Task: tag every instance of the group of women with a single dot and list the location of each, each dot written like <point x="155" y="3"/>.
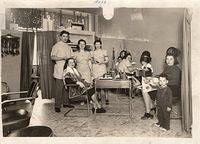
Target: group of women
<point x="83" y="68"/>
<point x="147" y="80"/>
<point x="91" y="65"/>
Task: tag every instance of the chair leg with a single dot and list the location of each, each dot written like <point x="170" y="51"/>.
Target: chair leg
<point x="66" y="114"/>
<point x="88" y="107"/>
<point x="178" y="117"/>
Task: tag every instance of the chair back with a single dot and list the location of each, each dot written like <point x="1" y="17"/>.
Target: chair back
<point x="29" y="95"/>
<point x="32" y="92"/>
<point x="16" y="113"/>
<point x="4" y="89"/>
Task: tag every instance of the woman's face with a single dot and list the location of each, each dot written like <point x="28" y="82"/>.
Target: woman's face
<point x="98" y="45"/>
<point x="71" y="63"/>
<point x="81" y="45"/>
<point x="144" y="63"/>
<point x="64" y="37"/>
<point x="129" y="58"/>
<point x="119" y="59"/>
<point x="170" y="60"/>
<point x="122" y="54"/>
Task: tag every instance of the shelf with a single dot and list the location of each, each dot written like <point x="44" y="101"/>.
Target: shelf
<point x="79" y="32"/>
<point x="75" y="44"/>
<point x="76" y="35"/>
<point x="76" y="23"/>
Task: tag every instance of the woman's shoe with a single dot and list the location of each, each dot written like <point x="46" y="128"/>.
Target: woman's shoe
<point x="107" y="102"/>
<point x="100" y="110"/>
<point x="57" y="110"/>
<point x="93" y="110"/>
<point x="157" y="124"/>
<point x="147" y="116"/>
<point x="153" y="110"/>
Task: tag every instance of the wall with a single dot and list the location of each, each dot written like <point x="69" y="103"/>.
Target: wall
<point x="159" y="29"/>
<point x="11" y="65"/>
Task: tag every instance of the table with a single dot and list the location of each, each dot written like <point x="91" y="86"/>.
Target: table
<point x="116" y="84"/>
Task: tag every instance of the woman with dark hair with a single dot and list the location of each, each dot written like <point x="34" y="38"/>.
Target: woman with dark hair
<point x="99" y="59"/>
<point x="126" y="65"/>
<point x="123" y="54"/>
<point x="72" y="76"/>
<point x="119" y="59"/>
<point x="99" y="62"/>
<point x="173" y="72"/>
<point x="83" y="59"/>
<point x="147" y="69"/>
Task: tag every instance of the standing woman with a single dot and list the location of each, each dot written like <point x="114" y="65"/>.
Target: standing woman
<point x="100" y="59"/>
<point x="83" y="60"/>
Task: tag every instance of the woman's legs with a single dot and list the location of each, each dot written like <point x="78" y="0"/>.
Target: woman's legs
<point x="106" y="96"/>
<point x="93" y="96"/>
<point x="95" y="101"/>
<point x="148" y="105"/>
<point x="147" y="101"/>
<point x="97" y="107"/>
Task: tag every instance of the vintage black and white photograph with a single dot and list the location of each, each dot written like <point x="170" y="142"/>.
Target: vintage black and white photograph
<point x="96" y="72"/>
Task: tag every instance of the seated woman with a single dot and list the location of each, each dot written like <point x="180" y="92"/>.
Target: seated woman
<point x="72" y="76"/>
<point x="119" y="59"/>
<point x="172" y="70"/>
<point x="126" y="66"/>
<point x="146" y="88"/>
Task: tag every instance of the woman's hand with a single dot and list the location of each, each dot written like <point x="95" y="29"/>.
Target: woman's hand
<point x="93" y="61"/>
<point x="80" y="84"/>
<point x="146" y="80"/>
<point x="101" y="62"/>
<point x="169" y="109"/>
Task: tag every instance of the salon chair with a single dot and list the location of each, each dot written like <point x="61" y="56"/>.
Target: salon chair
<point x="16" y="114"/>
<point x="4" y="89"/>
<point x="77" y="98"/>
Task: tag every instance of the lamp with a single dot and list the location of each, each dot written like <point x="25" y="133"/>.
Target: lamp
<point x="108" y="12"/>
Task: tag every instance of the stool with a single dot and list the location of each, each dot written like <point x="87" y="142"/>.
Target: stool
<point x="33" y="131"/>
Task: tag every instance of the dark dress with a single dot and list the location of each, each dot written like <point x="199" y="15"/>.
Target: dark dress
<point x="174" y="82"/>
<point x="174" y="78"/>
